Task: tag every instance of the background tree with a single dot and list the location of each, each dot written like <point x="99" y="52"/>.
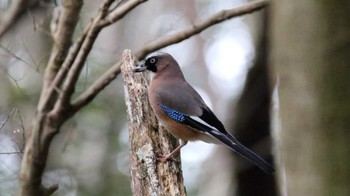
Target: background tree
<point x="310" y="62"/>
<point x="79" y="139"/>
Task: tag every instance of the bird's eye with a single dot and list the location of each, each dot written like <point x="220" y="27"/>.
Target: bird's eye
<point x="152" y="60"/>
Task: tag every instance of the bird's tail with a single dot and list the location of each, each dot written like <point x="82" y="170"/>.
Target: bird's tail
<point x="231" y="142"/>
<point x="248" y="154"/>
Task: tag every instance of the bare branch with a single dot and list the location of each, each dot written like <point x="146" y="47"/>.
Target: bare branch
<point x="11" y="153"/>
<point x="67" y="20"/>
<point x="88" y="95"/>
<point x="60" y="76"/>
<point x="19" y="7"/>
<point x="16" y="56"/>
<point x="116" y="5"/>
<point x="72" y="127"/>
<point x="201" y="26"/>
<point x="105" y="6"/>
<point x="78" y="64"/>
<point x="21" y="145"/>
<point x="97" y="24"/>
<point x="7" y="118"/>
<point x="47" y="122"/>
<point x="14" y="80"/>
<point x="52" y="112"/>
<point x="119" y="13"/>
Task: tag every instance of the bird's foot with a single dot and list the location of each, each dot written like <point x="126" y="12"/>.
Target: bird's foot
<point x="164" y="158"/>
<point x="168" y="157"/>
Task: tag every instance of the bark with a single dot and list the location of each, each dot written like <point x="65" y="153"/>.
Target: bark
<point x="56" y="104"/>
<point x="46" y="123"/>
<point x="35" y="156"/>
<point x="310" y="57"/>
<point x="147" y="140"/>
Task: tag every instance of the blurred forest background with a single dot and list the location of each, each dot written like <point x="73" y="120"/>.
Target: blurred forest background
<point x="228" y="63"/>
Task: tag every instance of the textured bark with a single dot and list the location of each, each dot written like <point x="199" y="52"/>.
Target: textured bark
<point x="147" y="140"/>
<point x="46" y="123"/>
<point x="35" y="156"/>
<point x="310" y="57"/>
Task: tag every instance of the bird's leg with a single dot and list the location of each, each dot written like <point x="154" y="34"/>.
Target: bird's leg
<point x="164" y="158"/>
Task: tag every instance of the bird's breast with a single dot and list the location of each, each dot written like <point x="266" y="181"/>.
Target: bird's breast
<point x="177" y="129"/>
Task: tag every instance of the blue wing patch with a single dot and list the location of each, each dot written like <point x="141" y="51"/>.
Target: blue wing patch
<point x="173" y="114"/>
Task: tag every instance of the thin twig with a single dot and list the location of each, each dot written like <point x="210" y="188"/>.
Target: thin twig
<point x="68" y="62"/>
<point x="60" y="76"/>
<point x="7" y="118"/>
<point x="14" y="79"/>
<point x="88" y="95"/>
<point x="199" y="27"/>
<point x="14" y="13"/>
<point x="98" y="23"/>
<point x="104" y="8"/>
<point x="72" y="127"/>
<point x="31" y="57"/>
<point x="67" y="19"/>
<point x="21" y="147"/>
<point x="119" y="13"/>
<point x="78" y="64"/>
<point x="16" y="57"/>
<point x="10" y="153"/>
<point x="117" y="4"/>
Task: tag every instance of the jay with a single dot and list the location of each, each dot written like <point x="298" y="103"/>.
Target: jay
<point x="182" y="111"/>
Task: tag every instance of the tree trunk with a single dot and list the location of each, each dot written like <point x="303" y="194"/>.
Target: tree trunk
<point x="35" y="156"/>
<point x="311" y="58"/>
<point x="147" y="140"/>
<point x="252" y="122"/>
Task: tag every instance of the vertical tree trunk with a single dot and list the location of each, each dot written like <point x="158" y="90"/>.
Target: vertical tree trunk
<point x="35" y="156"/>
<point x="147" y="140"/>
<point x="252" y="121"/>
<point x="311" y="58"/>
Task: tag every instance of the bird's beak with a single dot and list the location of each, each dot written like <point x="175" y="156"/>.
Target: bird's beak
<point x="140" y="68"/>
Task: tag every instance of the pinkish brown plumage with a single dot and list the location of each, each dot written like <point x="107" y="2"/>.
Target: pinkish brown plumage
<point x="182" y="111"/>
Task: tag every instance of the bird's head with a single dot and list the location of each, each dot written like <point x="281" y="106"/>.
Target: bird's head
<point x="155" y="62"/>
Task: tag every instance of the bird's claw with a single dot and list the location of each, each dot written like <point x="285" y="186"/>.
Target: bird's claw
<point x="164" y="158"/>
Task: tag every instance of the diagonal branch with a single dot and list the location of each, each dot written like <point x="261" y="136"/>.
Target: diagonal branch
<point x="88" y="95"/>
<point x="67" y="19"/>
<point x="14" y="13"/>
<point x="117" y="14"/>
<point x="61" y="74"/>
<point x="72" y="71"/>
<point x="47" y="120"/>
<point x="46" y="124"/>
<point x="201" y="26"/>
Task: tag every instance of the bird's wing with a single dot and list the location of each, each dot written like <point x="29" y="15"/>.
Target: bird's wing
<point x="179" y="100"/>
<point x="209" y="124"/>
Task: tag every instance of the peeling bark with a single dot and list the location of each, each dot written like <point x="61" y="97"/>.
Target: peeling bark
<point x="147" y="140"/>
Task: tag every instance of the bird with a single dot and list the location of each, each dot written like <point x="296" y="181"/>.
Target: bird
<point x="182" y="111"/>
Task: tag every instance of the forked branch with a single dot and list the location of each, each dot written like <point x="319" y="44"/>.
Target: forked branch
<point x="88" y="95"/>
